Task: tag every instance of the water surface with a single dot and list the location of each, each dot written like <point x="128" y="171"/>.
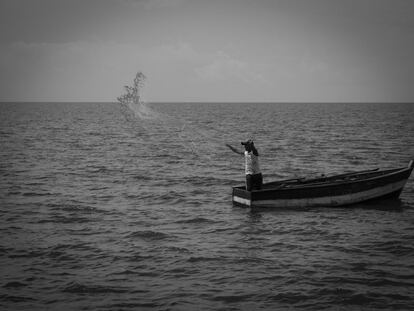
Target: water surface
<point x="103" y="212"/>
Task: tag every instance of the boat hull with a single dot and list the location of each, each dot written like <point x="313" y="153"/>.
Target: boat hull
<point x="388" y="184"/>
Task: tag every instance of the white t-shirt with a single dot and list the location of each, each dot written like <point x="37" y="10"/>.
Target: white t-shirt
<point x="252" y="163"/>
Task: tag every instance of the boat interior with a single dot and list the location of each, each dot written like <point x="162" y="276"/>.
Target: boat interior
<point x="346" y="177"/>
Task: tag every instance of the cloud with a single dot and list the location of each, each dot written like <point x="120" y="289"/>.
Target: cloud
<point x="96" y="71"/>
<point x="182" y="51"/>
<point x="84" y="70"/>
<point x="223" y="67"/>
<point x="155" y="4"/>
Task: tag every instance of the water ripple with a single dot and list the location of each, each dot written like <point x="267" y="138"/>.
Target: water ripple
<point x="103" y="213"/>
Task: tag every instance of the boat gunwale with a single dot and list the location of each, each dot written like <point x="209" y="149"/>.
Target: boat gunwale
<point x="343" y="182"/>
<point x="381" y="174"/>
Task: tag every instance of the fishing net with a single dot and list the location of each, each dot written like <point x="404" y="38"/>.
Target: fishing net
<point x="194" y="138"/>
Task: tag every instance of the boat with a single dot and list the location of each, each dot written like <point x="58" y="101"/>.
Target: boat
<point x="339" y="190"/>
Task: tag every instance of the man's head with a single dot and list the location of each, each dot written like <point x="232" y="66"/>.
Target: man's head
<point x="248" y="145"/>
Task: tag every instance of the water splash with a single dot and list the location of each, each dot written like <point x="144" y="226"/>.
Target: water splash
<point x="136" y="110"/>
<point x="131" y="103"/>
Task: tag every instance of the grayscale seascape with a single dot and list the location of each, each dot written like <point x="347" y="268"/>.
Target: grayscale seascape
<point x="103" y="211"/>
<point x="189" y="155"/>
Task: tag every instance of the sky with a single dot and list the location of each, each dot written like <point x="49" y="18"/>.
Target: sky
<point x="208" y="50"/>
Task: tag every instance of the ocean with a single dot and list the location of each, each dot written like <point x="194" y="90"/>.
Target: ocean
<point x="104" y="209"/>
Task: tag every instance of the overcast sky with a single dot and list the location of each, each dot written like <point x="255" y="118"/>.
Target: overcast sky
<point x="211" y="50"/>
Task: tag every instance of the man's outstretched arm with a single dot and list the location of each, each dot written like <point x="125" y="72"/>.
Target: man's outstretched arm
<point x="234" y="149"/>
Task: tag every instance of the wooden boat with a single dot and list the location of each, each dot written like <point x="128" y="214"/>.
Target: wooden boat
<point x="338" y="190"/>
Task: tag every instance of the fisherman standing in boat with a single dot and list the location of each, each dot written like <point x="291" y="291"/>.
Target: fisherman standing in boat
<point x="254" y="178"/>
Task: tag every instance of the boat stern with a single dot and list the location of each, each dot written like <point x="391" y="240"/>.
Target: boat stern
<point x="241" y="197"/>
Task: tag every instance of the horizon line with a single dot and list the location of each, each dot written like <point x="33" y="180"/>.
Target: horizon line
<point x="205" y="102"/>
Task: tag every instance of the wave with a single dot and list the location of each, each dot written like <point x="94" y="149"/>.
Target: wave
<point x="85" y="246"/>
<point x="204" y="259"/>
<point x="132" y="305"/>
<point x="26" y="254"/>
<point x="12" y="298"/>
<point x="233" y="298"/>
<point x="196" y="220"/>
<point x="148" y="234"/>
<point x="76" y="207"/>
<point x="14" y="284"/>
<point x="62" y="256"/>
<point x="77" y="288"/>
<point x="65" y="219"/>
<point x="396" y="247"/>
<point x="39" y="194"/>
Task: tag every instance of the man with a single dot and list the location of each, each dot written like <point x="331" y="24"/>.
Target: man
<point x="254" y="178"/>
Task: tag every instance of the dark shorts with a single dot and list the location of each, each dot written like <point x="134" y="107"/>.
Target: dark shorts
<point x="254" y="182"/>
